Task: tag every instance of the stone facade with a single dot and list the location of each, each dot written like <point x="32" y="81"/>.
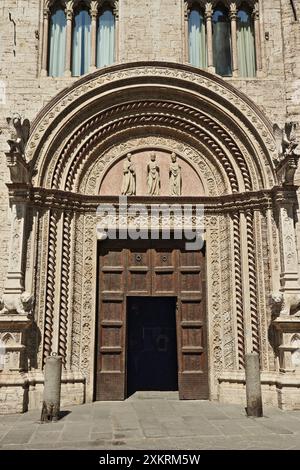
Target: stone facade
<point x="239" y="135"/>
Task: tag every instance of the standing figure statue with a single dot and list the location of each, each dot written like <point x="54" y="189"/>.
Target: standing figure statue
<point x="129" y="177"/>
<point x="153" y="176"/>
<point x="175" y="176"/>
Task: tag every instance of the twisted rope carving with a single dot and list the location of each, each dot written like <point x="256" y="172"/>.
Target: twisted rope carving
<point x="77" y="291"/>
<point x="145" y="119"/>
<point x="252" y="280"/>
<point x="181" y="110"/>
<point x="238" y="291"/>
<point x="50" y="285"/>
<point x="64" y="293"/>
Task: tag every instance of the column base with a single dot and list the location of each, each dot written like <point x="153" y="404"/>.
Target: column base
<point x="280" y="390"/>
<point x="13" y="392"/>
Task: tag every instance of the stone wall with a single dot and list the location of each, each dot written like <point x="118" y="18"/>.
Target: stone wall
<point x="151" y="30"/>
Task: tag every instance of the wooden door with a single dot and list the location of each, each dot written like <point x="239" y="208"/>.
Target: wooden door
<point x="193" y="363"/>
<point x="145" y="268"/>
<point x="111" y="327"/>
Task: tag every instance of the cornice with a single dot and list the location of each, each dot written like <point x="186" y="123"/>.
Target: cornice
<point x="68" y="201"/>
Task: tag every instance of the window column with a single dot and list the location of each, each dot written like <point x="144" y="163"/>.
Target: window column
<point x="46" y="13"/>
<point x="208" y="18"/>
<point x="257" y="36"/>
<point x="69" y="15"/>
<point x="186" y="32"/>
<point x="94" y="15"/>
<point x="116" y="42"/>
<point x="233" y="16"/>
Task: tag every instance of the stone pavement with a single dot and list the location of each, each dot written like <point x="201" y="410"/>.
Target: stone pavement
<point x="152" y="420"/>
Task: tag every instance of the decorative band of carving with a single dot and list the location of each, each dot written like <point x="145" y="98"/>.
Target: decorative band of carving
<point x="252" y="280"/>
<point x="238" y="290"/>
<point x="50" y="285"/>
<point x="177" y="75"/>
<point x="64" y="293"/>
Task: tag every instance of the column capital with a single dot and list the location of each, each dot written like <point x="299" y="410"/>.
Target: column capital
<point x="94" y="9"/>
<point x="186" y="9"/>
<point x="255" y="12"/>
<point x="208" y="10"/>
<point x="46" y="12"/>
<point x="233" y="11"/>
<point x="69" y="9"/>
<point x="115" y="7"/>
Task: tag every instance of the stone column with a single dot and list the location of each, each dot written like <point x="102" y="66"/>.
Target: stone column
<point x="257" y="36"/>
<point x="116" y="15"/>
<point x="248" y="340"/>
<point x="94" y="15"/>
<point x="186" y="32"/>
<point x="253" y="386"/>
<point x="44" y="70"/>
<point x="52" y="387"/>
<point x="233" y="17"/>
<point x="69" y="15"/>
<point x="209" y="34"/>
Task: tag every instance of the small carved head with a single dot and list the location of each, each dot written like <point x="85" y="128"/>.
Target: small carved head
<point x="153" y="156"/>
<point x="277" y="298"/>
<point x="27" y="301"/>
<point x="173" y="157"/>
<point x="129" y="155"/>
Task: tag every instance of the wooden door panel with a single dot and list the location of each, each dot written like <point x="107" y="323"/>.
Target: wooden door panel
<point x="138" y="268"/>
<point x="111" y="331"/>
<point x="163" y="263"/>
<point x="193" y="372"/>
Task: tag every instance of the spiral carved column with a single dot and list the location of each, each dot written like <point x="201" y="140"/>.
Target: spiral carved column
<point x="64" y="293"/>
<point x="252" y="281"/>
<point x="238" y="291"/>
<point x="50" y="285"/>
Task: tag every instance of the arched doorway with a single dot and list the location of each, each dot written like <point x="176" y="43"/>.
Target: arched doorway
<point x="228" y="147"/>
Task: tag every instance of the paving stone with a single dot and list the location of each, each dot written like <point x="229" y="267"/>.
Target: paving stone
<point x="17" y="436"/>
<point x="78" y="432"/>
<point x="274" y="426"/>
<point x="45" y="437"/>
<point x="228" y="427"/>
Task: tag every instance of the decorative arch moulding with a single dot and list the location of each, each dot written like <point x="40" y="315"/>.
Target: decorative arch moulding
<point x="96" y="97"/>
<point x="209" y="84"/>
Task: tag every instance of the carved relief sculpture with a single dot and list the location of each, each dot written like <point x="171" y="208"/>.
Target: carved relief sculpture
<point x="129" y="177"/>
<point x="153" y="176"/>
<point x="19" y="134"/>
<point x="175" y="176"/>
